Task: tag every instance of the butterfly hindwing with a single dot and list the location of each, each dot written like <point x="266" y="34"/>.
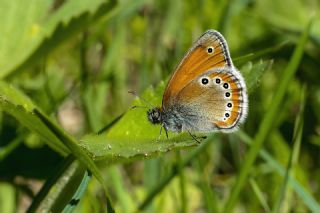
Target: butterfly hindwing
<point x="213" y="101"/>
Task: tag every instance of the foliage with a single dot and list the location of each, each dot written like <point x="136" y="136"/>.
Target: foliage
<point x="66" y="68"/>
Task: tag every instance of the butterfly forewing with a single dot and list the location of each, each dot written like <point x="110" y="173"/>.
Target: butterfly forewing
<point x="209" y="51"/>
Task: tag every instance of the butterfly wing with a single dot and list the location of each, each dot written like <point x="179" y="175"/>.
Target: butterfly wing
<point x="216" y="100"/>
<point x="209" y="51"/>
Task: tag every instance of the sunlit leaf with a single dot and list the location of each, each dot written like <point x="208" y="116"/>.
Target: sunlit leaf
<point x="25" y="25"/>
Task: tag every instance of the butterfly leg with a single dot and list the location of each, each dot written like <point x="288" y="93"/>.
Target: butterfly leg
<point x="197" y="138"/>
<point x="165" y="129"/>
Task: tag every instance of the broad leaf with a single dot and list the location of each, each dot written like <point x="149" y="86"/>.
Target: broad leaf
<point x="26" y="27"/>
<point x="19" y="106"/>
<point x="134" y="137"/>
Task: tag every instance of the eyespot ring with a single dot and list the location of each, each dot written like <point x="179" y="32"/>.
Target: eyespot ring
<point x="210" y="50"/>
<point x="204" y="81"/>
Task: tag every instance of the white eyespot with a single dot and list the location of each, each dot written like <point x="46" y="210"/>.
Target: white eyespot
<point x="210" y="50"/>
<point x="204" y="81"/>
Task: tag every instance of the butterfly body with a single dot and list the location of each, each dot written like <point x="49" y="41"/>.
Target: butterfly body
<point x="206" y="93"/>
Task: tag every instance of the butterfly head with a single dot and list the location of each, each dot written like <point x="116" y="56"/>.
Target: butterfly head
<point x="155" y="115"/>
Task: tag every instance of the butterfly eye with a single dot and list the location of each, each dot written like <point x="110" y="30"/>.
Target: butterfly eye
<point x="218" y="80"/>
<point x="204" y="81"/>
<point x="227" y="115"/>
<point x="210" y="49"/>
<point x="229" y="105"/>
<point x="226" y="85"/>
<point x="227" y="94"/>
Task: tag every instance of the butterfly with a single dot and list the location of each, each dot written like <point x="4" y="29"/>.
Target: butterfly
<point x="206" y="93"/>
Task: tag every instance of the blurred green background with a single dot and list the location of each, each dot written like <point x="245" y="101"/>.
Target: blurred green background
<point x="76" y="60"/>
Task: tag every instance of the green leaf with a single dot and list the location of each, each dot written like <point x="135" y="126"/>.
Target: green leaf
<point x="253" y="72"/>
<point x="133" y="136"/>
<point x="21" y="107"/>
<point x="31" y="29"/>
<point x="277" y="13"/>
<point x="15" y="103"/>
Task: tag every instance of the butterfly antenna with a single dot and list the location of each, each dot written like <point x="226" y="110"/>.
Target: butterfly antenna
<point x="142" y="99"/>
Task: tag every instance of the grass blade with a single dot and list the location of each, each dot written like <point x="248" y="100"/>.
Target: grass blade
<point x="304" y="195"/>
<point x="268" y="120"/>
<point x="166" y="180"/>
<point x="182" y="182"/>
<point x="259" y="195"/>
<point x="77" y="151"/>
<point x="120" y="191"/>
<point x="45" y="199"/>
<point x="297" y="135"/>
<point x="79" y="193"/>
<point x="209" y="194"/>
<point x="5" y="151"/>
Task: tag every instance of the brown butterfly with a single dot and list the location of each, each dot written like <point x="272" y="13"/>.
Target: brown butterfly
<point x="206" y="93"/>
